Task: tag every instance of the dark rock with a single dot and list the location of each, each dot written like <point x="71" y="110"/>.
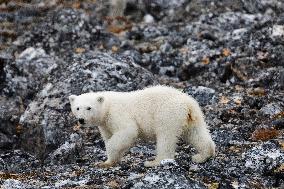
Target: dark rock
<point x="137" y="58"/>
<point x="208" y="35"/>
<point x="10" y="112"/>
<point x="69" y="151"/>
<point x="64" y="31"/>
<point x="202" y="94"/>
<point x="25" y="76"/>
<point x="153" y="32"/>
<point x="163" y="64"/>
<point x="5" y="141"/>
<point x="279" y="123"/>
<point x="16" y="160"/>
<point x="2" y="164"/>
<point x="5" y="58"/>
<point x="2" y="73"/>
<point x="282" y="79"/>
<point x="271" y="109"/>
<point x="166" y="48"/>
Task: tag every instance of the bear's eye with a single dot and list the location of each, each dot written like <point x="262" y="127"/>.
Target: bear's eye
<point x="89" y="108"/>
<point x="77" y="108"/>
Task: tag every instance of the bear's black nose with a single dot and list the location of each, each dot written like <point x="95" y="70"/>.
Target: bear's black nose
<point x="81" y="121"/>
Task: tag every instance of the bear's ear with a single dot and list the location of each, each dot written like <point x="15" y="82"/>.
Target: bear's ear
<point x="100" y="99"/>
<point x="72" y="98"/>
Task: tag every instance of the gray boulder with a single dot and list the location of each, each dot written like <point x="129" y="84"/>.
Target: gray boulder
<point x="10" y="111"/>
<point x="203" y="95"/>
<point x="68" y="151"/>
<point x="25" y="75"/>
<point x="47" y="121"/>
<point x="271" y="109"/>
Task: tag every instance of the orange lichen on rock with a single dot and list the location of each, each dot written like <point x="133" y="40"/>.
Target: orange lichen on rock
<point x="279" y="115"/>
<point x="226" y="52"/>
<point x="113" y="184"/>
<point x="19" y="129"/>
<point x="205" y="60"/>
<point x="114" y="49"/>
<point x="114" y="27"/>
<point x="264" y="134"/>
<point x="76" y="127"/>
<point x="224" y="100"/>
<point x="6" y="176"/>
<point x="80" y="50"/>
<point x="257" y="91"/>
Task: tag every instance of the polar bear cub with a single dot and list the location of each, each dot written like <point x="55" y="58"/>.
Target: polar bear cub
<point x="160" y="112"/>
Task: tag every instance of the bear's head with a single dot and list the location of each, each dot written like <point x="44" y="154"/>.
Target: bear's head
<point x="87" y="108"/>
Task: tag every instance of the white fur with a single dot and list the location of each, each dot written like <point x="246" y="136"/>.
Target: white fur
<point x="160" y="112"/>
<point x="117" y="7"/>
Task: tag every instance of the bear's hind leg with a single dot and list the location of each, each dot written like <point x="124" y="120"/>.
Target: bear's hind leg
<point x="199" y="137"/>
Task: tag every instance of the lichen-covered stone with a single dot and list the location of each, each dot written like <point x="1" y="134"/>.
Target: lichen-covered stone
<point x="203" y="95"/>
<point x="10" y="111"/>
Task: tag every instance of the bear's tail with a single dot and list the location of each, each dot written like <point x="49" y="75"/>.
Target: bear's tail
<point x="197" y="134"/>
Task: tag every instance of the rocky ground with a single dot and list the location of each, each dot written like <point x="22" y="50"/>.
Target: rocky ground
<point x="229" y="55"/>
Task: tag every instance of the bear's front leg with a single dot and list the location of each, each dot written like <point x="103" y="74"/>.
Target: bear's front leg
<point x="105" y="133"/>
<point x="166" y="146"/>
<point x="120" y="142"/>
